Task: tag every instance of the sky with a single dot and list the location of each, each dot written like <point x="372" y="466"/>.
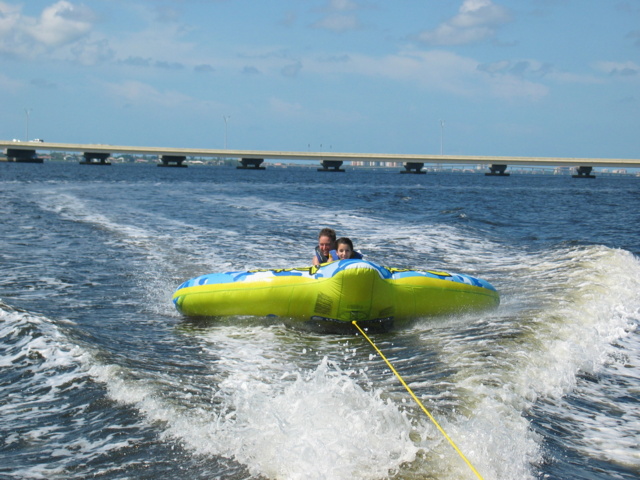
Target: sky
<point x="550" y="78"/>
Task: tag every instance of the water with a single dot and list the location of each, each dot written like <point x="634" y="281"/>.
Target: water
<point x="101" y="378"/>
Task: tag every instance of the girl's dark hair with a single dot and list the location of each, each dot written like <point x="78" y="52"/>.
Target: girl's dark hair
<point x="345" y="240"/>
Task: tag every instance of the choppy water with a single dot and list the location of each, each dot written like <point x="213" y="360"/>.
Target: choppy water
<point x="101" y="378"/>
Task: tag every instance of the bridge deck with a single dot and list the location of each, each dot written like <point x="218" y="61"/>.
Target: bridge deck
<point x="319" y="156"/>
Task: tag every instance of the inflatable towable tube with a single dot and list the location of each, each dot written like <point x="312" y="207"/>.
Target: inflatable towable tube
<point x="341" y="291"/>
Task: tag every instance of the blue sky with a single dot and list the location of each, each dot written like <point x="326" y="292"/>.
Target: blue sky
<point x="468" y="77"/>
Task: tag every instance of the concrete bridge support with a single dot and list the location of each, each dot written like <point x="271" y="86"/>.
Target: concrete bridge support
<point x="583" y="172"/>
<point x="413" y="167"/>
<point x="331" y="166"/>
<point x="22" y="156"/>
<point x="172" y="161"/>
<point x="95" y="158"/>
<point x="497" y="171"/>
<point x="251" y="164"/>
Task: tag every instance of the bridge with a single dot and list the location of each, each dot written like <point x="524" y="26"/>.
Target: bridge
<point x="97" y="154"/>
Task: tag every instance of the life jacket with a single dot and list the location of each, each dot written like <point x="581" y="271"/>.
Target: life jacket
<point x="333" y="256"/>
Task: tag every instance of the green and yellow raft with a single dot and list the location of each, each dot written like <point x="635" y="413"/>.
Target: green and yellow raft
<point x="339" y="292"/>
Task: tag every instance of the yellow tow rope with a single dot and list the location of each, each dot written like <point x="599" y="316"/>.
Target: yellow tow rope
<point x="417" y="400"/>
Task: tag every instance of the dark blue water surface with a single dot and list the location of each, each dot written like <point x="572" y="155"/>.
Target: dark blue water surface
<point x="102" y="378"/>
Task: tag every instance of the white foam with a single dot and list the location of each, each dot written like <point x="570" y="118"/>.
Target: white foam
<point x="277" y="419"/>
<point x="322" y="425"/>
<point x="511" y="362"/>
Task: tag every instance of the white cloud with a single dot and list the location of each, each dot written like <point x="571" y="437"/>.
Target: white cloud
<point x="438" y="70"/>
<point x="622" y="69"/>
<point x="479" y="12"/>
<point x="60" y="24"/>
<point x="476" y="20"/>
<point x="92" y="52"/>
<point x="343" y="5"/>
<point x="336" y="19"/>
<point x="9" y="18"/>
<point x="12" y="39"/>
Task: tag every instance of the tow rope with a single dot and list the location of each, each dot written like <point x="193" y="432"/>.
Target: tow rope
<point x="417" y="400"/>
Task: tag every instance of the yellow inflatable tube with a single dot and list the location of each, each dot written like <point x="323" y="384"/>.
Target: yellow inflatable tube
<point x="341" y="292"/>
